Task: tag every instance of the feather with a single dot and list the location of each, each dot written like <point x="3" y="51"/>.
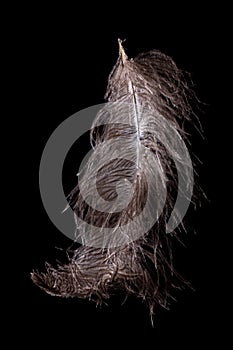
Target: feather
<point x="128" y="189"/>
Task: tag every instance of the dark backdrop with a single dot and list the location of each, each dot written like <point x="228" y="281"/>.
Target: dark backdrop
<point x="63" y="60"/>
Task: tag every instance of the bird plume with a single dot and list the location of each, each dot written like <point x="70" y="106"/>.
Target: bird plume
<point x="127" y="191"/>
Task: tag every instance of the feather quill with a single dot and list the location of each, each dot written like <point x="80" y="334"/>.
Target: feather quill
<point x="143" y="266"/>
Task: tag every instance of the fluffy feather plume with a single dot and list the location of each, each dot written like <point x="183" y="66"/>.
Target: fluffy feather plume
<point x="146" y="94"/>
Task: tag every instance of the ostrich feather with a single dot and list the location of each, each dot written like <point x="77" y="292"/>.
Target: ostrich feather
<point x="145" y="95"/>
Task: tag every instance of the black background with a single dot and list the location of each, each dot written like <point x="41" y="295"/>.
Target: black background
<point x="64" y="57"/>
